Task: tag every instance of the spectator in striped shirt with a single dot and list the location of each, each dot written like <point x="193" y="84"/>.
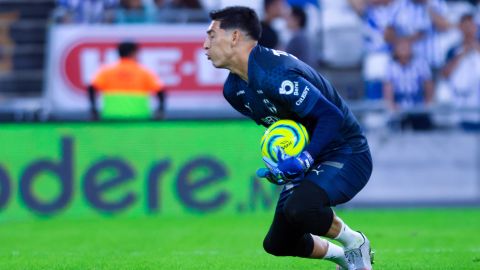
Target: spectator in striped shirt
<point x="422" y="22"/>
<point x="476" y="13"/>
<point x="133" y="11"/>
<point x="273" y="9"/>
<point x="462" y="72"/>
<point x="299" y="45"/>
<point x="85" y="11"/>
<point x="408" y="86"/>
<point x="376" y="16"/>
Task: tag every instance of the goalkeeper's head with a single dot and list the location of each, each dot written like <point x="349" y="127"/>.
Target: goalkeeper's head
<point x="233" y="31"/>
<point x="238" y="17"/>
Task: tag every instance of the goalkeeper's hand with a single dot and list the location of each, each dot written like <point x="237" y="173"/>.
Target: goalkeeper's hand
<point x="288" y="168"/>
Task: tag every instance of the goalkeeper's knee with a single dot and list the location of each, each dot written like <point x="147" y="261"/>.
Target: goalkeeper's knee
<point x="301" y="247"/>
<point x="308" y="209"/>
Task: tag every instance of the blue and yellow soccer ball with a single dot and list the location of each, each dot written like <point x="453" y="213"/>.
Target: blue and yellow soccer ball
<point x="291" y="136"/>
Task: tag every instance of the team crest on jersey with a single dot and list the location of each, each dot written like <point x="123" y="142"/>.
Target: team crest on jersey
<point x="288" y="87"/>
<point x="270" y="105"/>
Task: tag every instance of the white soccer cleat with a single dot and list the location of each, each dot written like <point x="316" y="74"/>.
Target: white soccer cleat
<point x="362" y="257"/>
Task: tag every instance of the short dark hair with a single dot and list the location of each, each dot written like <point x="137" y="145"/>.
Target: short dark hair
<point x="300" y="15"/>
<point x="267" y="3"/>
<point x="127" y="48"/>
<point x="243" y="18"/>
<point x="467" y="17"/>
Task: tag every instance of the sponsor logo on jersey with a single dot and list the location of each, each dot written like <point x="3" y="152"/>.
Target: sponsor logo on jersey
<point x="288" y="87"/>
<point x="270" y="120"/>
<point x="270" y="105"/>
<point x="259" y="91"/>
<point x="303" y="96"/>
<point x="241" y="92"/>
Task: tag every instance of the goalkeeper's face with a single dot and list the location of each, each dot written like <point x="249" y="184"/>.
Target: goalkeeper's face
<point x="219" y="45"/>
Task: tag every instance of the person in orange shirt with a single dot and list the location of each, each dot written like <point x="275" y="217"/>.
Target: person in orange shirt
<point x="127" y="78"/>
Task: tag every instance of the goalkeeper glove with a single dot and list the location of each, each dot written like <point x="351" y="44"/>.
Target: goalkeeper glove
<point x="288" y="168"/>
<point x="267" y="174"/>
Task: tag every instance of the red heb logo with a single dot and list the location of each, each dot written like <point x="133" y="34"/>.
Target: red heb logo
<point x="182" y="65"/>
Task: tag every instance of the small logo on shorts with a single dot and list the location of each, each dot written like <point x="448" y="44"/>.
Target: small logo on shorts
<point x="318" y="171"/>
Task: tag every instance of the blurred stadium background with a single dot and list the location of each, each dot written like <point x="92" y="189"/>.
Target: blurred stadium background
<point x="127" y="194"/>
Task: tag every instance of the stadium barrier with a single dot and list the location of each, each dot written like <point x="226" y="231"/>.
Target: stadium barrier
<point x="173" y="52"/>
<point x="131" y="169"/>
<point x="182" y="167"/>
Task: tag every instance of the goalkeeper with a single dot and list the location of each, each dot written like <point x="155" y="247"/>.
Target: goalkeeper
<point x="267" y="85"/>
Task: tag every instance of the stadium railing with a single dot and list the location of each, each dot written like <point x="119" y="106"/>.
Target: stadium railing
<point x="23" y="26"/>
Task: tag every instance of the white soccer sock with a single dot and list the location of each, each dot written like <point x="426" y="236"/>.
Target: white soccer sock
<point x="336" y="254"/>
<point x="348" y="237"/>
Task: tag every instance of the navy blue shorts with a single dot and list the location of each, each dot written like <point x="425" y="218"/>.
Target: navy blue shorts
<point x="342" y="176"/>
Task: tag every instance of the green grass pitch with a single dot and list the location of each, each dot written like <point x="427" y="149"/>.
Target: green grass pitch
<point x="403" y="239"/>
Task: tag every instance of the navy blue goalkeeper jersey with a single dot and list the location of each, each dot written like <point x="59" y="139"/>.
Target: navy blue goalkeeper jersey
<point x="282" y="87"/>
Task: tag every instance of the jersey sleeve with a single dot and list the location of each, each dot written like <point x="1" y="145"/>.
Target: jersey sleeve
<point x="308" y="102"/>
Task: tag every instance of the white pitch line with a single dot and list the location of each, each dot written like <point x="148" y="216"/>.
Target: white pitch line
<point x="427" y="250"/>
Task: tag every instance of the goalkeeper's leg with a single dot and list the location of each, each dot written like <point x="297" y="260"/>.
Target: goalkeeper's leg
<point x="308" y="209"/>
<point x="337" y="180"/>
<point x="356" y="244"/>
<point x="284" y="239"/>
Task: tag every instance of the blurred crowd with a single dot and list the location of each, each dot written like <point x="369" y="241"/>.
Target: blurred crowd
<point x="130" y="11"/>
<point x="413" y="54"/>
<point x="416" y="55"/>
